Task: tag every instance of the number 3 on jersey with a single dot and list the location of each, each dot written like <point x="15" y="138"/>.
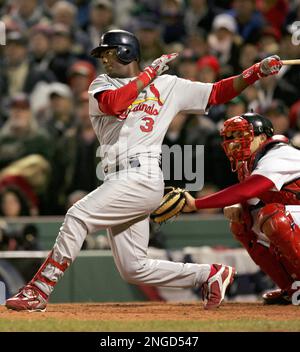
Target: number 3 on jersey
<point x="148" y="125"/>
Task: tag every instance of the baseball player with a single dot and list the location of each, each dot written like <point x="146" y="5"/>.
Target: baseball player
<point x="130" y="111"/>
<point x="264" y="208"/>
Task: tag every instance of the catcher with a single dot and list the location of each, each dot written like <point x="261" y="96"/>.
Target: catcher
<point x="264" y="208"/>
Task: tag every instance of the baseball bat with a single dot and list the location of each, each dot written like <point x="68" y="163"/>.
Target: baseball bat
<point x="291" y="62"/>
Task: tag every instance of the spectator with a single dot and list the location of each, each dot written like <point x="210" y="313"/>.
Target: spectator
<point x="288" y="49"/>
<point x="47" y="6"/>
<point x="294" y="116"/>
<point x="271" y="88"/>
<point x="61" y="123"/>
<point x="277" y="113"/>
<point x="274" y="12"/>
<point x="268" y="43"/>
<point x="21" y="136"/>
<point x="148" y="32"/>
<point x="82" y="18"/>
<point x="18" y="74"/>
<point x="65" y="13"/>
<point x="208" y="69"/>
<point x="199" y="14"/>
<point x="101" y="19"/>
<point x="13" y="203"/>
<point x="124" y="12"/>
<point x="83" y="146"/>
<point x="293" y="13"/>
<point x="60" y="116"/>
<point x="224" y="43"/>
<point x="234" y="107"/>
<point x="25" y="14"/>
<point x="30" y="175"/>
<point x="248" y="55"/>
<point x="249" y="20"/>
<point x="40" y="47"/>
<point x="291" y="73"/>
<point x="186" y="66"/>
<point x="171" y="15"/>
<point x="63" y="55"/>
<point x="237" y="106"/>
<point x="197" y="43"/>
<point x="81" y="74"/>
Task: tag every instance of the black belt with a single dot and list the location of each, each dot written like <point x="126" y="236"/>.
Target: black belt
<point x="120" y="167"/>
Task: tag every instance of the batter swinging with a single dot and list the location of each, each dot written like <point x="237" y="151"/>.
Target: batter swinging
<point x="130" y="111"/>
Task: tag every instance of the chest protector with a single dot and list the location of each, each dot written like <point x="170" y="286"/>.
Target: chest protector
<point x="290" y="192"/>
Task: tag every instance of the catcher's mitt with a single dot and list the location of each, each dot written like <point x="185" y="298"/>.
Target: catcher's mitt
<point x="171" y="205"/>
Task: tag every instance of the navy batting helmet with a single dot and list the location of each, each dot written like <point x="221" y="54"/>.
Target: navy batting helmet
<point x="260" y="124"/>
<point x="127" y="45"/>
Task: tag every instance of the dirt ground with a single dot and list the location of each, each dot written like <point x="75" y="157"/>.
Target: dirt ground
<point x="158" y="311"/>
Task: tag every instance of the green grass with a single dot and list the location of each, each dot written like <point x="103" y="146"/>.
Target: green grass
<point x="151" y="325"/>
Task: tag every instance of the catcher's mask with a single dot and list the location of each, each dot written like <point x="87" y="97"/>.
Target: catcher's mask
<point x="238" y="134"/>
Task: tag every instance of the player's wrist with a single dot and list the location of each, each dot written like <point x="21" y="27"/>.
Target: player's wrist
<point x="252" y="74"/>
<point x="147" y="75"/>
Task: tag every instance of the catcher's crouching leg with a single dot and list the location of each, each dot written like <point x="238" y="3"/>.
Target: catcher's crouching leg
<point x="261" y="255"/>
<point x="278" y="225"/>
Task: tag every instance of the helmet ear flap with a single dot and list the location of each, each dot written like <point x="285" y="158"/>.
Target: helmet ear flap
<point x="124" y="54"/>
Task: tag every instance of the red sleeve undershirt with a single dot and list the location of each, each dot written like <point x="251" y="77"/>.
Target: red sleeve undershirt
<point x="252" y="187"/>
<point x="222" y="92"/>
<point x="114" y="102"/>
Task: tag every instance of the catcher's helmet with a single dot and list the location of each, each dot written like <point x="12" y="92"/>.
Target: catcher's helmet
<point x="260" y="124"/>
<point x="127" y="45"/>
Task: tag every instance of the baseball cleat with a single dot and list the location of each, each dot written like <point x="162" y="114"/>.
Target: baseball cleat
<point x="279" y="297"/>
<point x="214" y="289"/>
<point x="29" y="298"/>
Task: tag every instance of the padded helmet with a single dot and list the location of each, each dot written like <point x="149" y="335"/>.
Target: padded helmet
<point x="260" y="124"/>
<point x="127" y="45"/>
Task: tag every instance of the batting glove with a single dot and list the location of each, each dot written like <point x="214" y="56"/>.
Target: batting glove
<point x="269" y="66"/>
<point x="160" y="64"/>
<point x="157" y="67"/>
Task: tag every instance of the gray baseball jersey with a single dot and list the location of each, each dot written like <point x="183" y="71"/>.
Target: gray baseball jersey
<point x="142" y="127"/>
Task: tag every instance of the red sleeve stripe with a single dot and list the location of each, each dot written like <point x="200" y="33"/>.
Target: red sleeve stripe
<point x="222" y="92"/>
<point x="114" y="102"/>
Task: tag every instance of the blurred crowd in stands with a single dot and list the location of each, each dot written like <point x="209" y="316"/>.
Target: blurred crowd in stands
<point x="47" y="144"/>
